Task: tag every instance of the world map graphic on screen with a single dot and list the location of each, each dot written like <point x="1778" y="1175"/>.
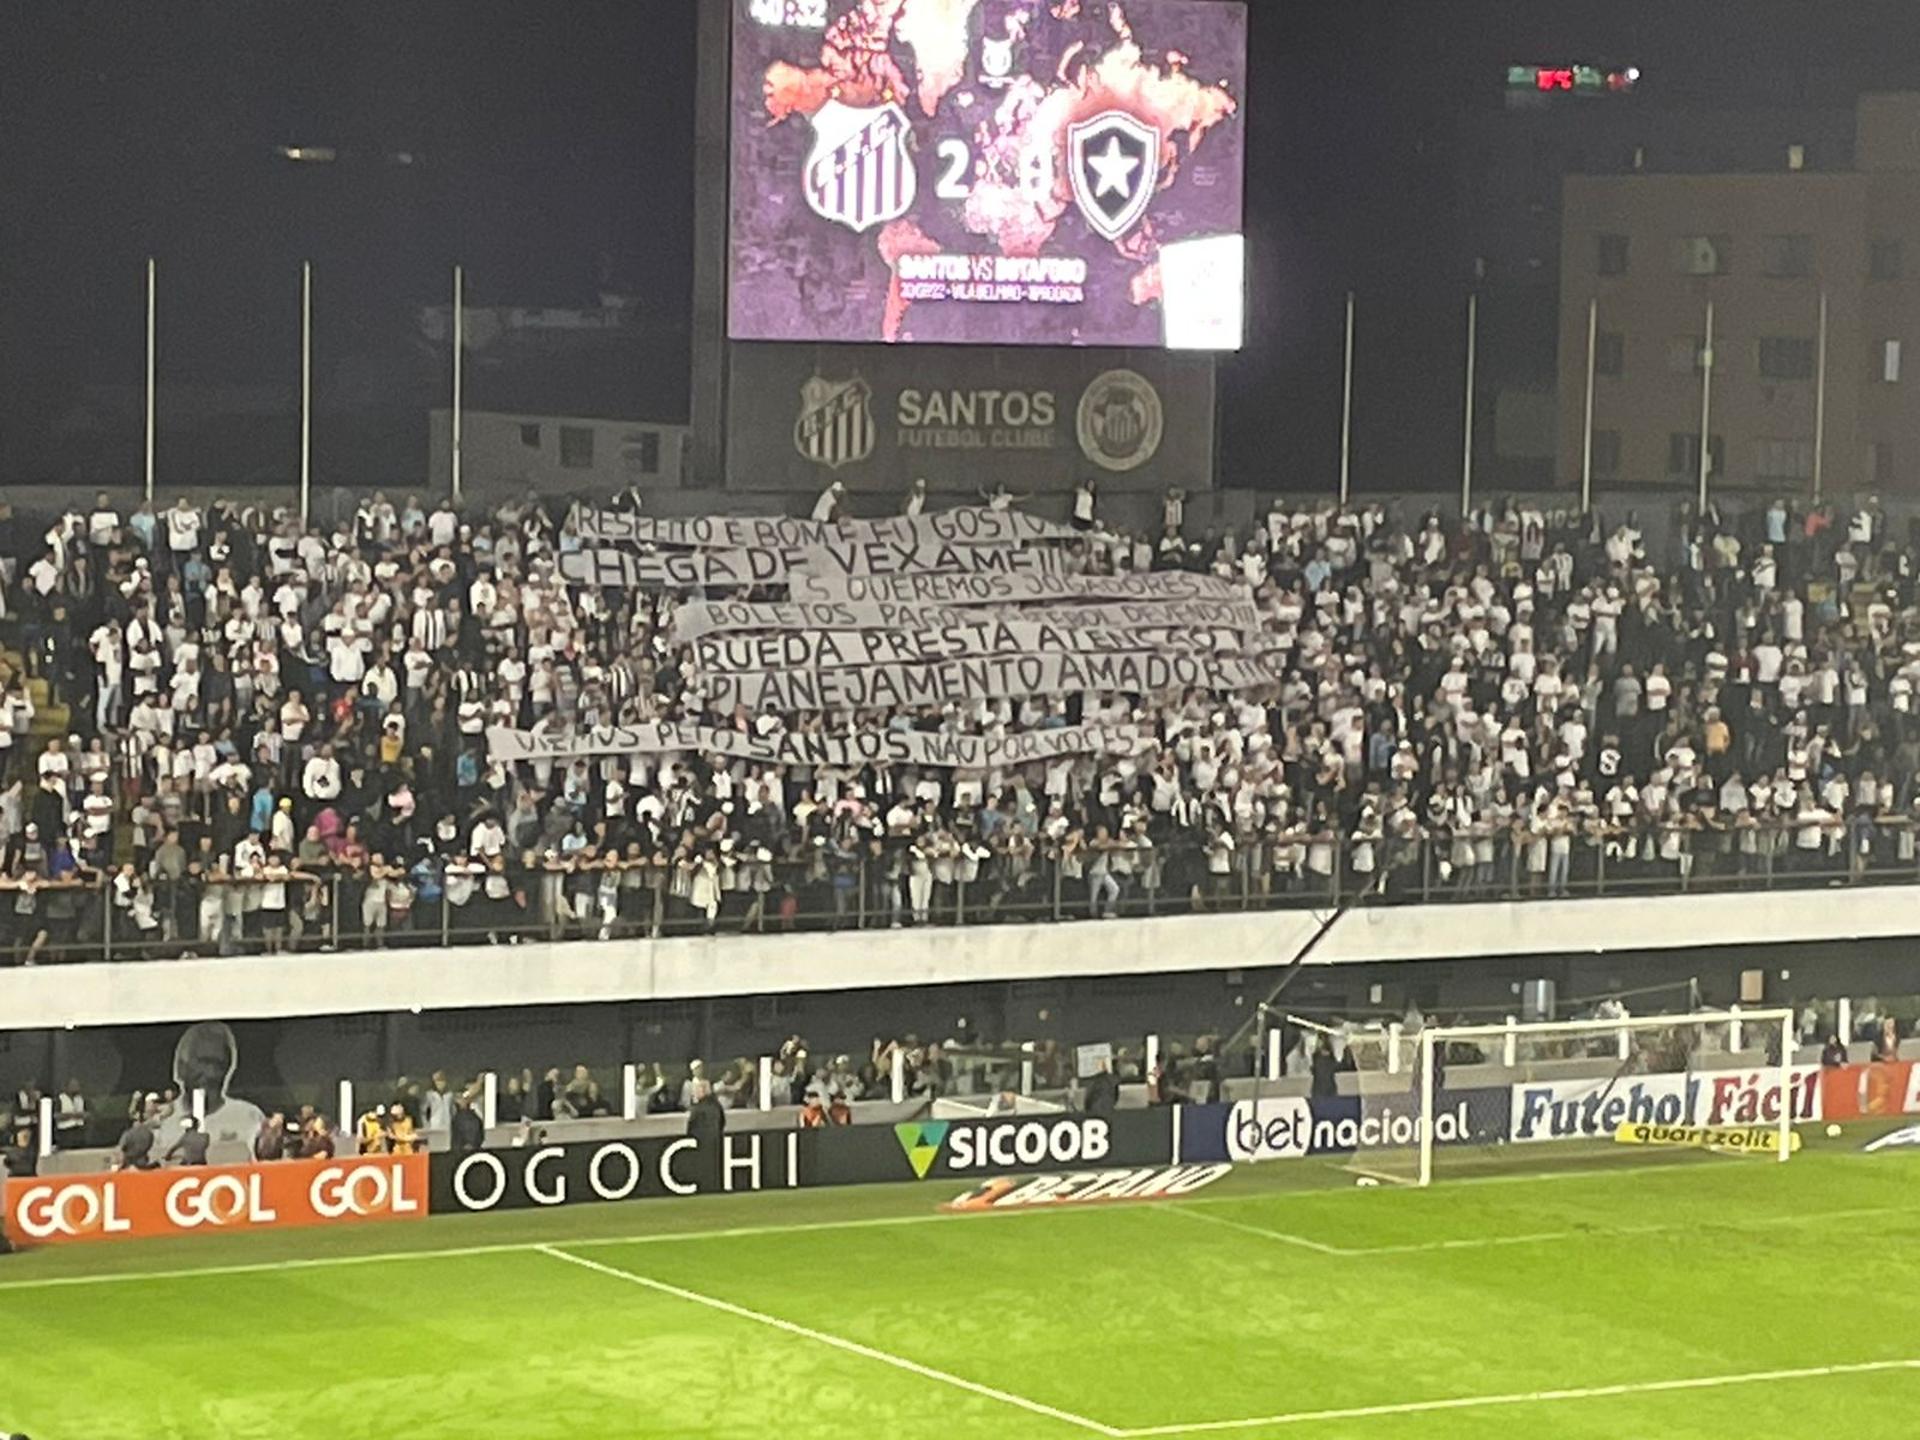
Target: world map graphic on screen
<point x="1042" y="172"/>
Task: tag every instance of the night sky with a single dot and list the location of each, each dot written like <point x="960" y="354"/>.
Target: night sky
<point x="551" y="153"/>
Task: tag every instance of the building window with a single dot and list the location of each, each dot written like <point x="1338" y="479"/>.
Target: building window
<point x="1611" y="256"/>
<point x="1890" y="362"/>
<point x="1683" y="456"/>
<point x="1884" y="260"/>
<point x="1703" y="255"/>
<point x="643" y="452"/>
<point x="530" y="436"/>
<point x="1606" y="454"/>
<point x="576" y="447"/>
<point x="1783" y="460"/>
<point x="1610" y="354"/>
<point x="1787" y="257"/>
<point x="1786" y="357"/>
<point x="1796" y="157"/>
<point x="1880" y="463"/>
<point x="1686" y="354"/>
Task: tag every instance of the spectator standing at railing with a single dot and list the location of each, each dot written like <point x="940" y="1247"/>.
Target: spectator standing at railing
<point x="70" y="1117"/>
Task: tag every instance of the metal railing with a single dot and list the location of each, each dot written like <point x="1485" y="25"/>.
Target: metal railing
<point x="899" y="883"/>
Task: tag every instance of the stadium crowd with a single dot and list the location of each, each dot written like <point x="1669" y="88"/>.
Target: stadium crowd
<point x="277" y="736"/>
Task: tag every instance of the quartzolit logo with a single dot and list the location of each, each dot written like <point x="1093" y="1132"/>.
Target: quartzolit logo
<point x="1002" y="1146"/>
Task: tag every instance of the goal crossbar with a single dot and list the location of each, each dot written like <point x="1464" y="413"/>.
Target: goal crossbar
<point x="1625" y="1022"/>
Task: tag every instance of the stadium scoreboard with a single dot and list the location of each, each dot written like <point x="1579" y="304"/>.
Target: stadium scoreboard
<point x="988" y="172"/>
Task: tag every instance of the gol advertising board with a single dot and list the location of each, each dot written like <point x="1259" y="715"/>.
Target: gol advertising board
<point x="800" y="416"/>
<point x="215" y="1200"/>
<point x="1017" y="1144"/>
<point x="989" y="172"/>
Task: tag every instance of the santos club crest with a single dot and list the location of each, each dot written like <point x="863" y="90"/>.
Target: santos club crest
<point x="861" y="173"/>
<point x="1115" y="162"/>
<point x="835" y="427"/>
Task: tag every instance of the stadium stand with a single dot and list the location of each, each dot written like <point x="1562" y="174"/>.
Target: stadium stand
<point x="224" y="733"/>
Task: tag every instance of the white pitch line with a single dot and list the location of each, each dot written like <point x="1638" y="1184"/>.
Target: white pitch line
<point x="838" y="1342"/>
<point x="1260" y="1230"/>
<point x="1538" y="1237"/>
<point x="739" y="1232"/>
<point x="1529" y="1397"/>
<point x="517" y="1247"/>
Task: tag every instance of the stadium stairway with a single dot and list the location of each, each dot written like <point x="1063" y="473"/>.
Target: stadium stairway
<point x="50" y="721"/>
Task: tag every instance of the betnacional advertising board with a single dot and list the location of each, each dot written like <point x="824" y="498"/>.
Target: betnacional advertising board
<point x="989" y="172"/>
<point x="877" y="419"/>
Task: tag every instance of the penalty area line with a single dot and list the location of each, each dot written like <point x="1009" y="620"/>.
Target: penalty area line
<point x="1524" y="1397"/>
<point x="837" y="1342"/>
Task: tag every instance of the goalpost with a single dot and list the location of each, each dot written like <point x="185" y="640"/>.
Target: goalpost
<point x="1469" y="1097"/>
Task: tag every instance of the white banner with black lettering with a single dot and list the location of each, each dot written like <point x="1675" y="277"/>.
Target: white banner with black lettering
<point x="951" y="589"/>
<point x="1133" y="672"/>
<point x="822" y="649"/>
<point x="676" y="569"/>
<point x="700" y="618"/>
<point x="879" y="557"/>
<point x="655" y="569"/>
<point x="842" y="750"/>
<point x="973" y="525"/>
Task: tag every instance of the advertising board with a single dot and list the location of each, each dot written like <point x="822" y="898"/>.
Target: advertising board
<point x="877" y="418"/>
<point x="989" y="172"/>
<point x="1597" y="1108"/>
<point x="216" y="1200"/>
<point x="1858" y="1092"/>
<point x="1293" y="1127"/>
<point x="548" y="1176"/>
<point x="961" y="1149"/>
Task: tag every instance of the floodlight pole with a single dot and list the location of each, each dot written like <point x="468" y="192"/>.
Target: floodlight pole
<point x="1473" y="358"/>
<point x="306" y="390"/>
<point x="1706" y="410"/>
<point x="1820" y="409"/>
<point x="152" y="306"/>
<point x="1346" y="413"/>
<point x="1586" y="446"/>
<point x="459" y="345"/>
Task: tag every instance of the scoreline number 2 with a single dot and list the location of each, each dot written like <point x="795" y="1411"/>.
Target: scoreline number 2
<point x="956" y="175"/>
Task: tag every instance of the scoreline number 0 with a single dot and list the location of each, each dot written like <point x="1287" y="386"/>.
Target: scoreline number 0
<point x="956" y="178"/>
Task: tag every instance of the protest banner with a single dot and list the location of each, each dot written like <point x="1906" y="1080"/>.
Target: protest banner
<point x="969" y="525"/>
<point x="957" y="589"/>
<point x="841" y="749"/>
<point x="950" y="681"/>
<point x="700" y="618"/>
<point x="821" y="649"/>
<point x="676" y="569"/>
<point x="884" y="557"/>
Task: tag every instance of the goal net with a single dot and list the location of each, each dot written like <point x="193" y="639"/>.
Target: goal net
<point x="1443" y="1101"/>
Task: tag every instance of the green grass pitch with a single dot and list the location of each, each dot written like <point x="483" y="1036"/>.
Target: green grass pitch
<point x="1714" y="1299"/>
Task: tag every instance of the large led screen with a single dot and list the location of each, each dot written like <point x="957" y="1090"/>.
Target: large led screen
<point x="995" y="172"/>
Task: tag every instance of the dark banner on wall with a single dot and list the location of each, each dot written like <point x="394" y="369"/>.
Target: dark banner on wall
<point x="955" y="1149"/>
<point x="663" y="1167"/>
<point x="877" y="418"/>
